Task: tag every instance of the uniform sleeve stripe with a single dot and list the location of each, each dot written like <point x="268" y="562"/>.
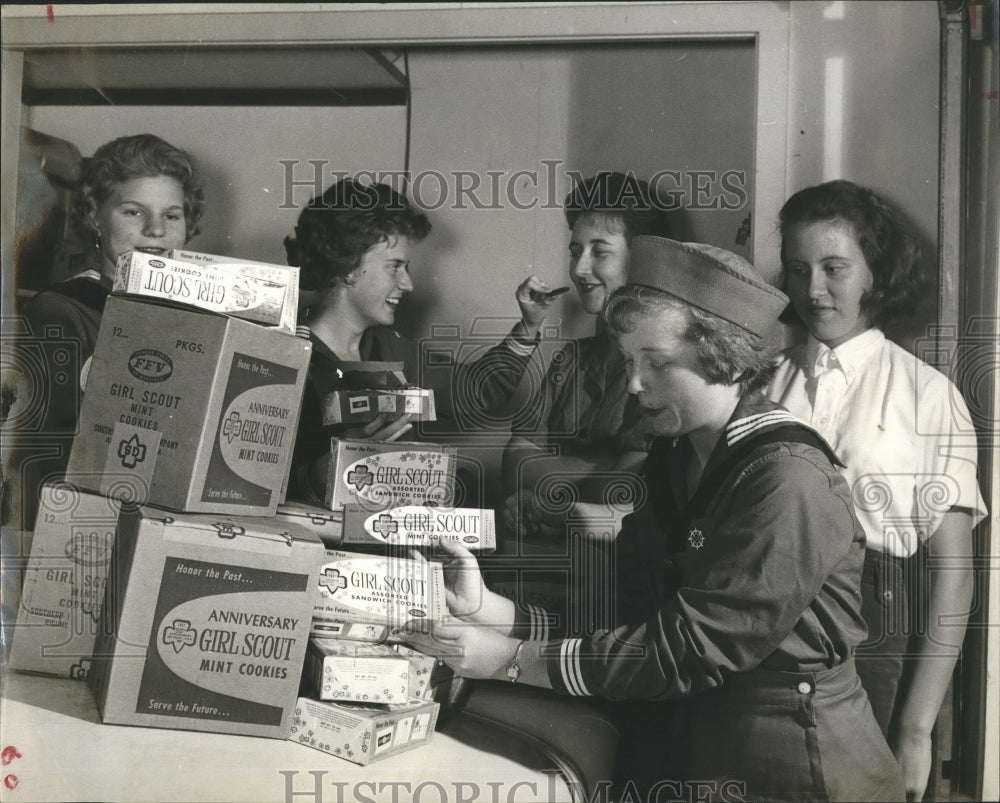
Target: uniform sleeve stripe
<point x="519" y="348"/>
<point x="539" y="623"/>
<point x="569" y="665"/>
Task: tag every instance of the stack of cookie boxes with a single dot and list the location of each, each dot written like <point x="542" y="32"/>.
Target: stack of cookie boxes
<point x="369" y="695"/>
<point x="160" y="555"/>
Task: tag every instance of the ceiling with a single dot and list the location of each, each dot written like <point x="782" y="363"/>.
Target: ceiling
<point x="84" y="75"/>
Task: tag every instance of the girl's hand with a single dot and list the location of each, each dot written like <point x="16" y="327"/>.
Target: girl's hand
<point x="534" y="303"/>
<point x="472" y="651"/>
<point x="382" y="428"/>
<point x="465" y="589"/>
<point x="913" y="752"/>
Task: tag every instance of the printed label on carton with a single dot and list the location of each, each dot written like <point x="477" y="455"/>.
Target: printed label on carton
<point x="353" y="631"/>
<point x="377" y="589"/>
<point x="362" y="734"/>
<point x="351" y="670"/>
<point x="381" y="475"/>
<point x="421" y="725"/>
<point x="133" y="450"/>
<point x="362" y="406"/>
<point x="418" y="525"/>
<point x="257" y="293"/>
<point x="257" y="419"/>
<point x="63" y="590"/>
<point x="283" y="275"/>
<point x="219" y="649"/>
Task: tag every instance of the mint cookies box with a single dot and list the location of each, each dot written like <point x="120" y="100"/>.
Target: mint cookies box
<point x="378" y="474"/>
<point x="63" y="590"/>
<point x="198" y="410"/>
<point x="206" y="623"/>
<point x="255" y="291"/>
<point x="419" y="525"/>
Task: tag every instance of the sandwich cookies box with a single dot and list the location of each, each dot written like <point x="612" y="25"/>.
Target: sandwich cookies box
<point x="255" y="291"/>
<point x="379" y="474"/>
<point x="199" y="409"/>
<point x="363" y="734"/>
<point x="417" y="525"/>
<point x="206" y="622"/>
<point x="373" y="596"/>
<point x="63" y="591"/>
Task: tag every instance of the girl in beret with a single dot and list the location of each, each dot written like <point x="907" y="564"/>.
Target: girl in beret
<point x="903" y="430"/>
<point x="736" y="581"/>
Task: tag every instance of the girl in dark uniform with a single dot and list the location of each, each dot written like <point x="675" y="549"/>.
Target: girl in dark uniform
<point x="352" y="244"/>
<point x="737" y="580"/>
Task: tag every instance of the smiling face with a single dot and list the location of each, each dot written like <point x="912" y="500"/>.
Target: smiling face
<point x="665" y="377"/>
<point x="141" y="214"/>
<point x="374" y="289"/>
<point x="598" y="259"/>
<point x="826" y="276"/>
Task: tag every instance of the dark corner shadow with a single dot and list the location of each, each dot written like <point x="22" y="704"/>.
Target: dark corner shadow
<point x="71" y="698"/>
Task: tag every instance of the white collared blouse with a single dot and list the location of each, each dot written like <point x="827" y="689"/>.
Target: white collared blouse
<point x="900" y="426"/>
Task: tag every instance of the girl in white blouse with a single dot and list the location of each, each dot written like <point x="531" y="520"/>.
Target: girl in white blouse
<point x="905" y="434"/>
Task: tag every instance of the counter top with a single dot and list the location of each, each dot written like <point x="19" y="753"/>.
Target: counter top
<point x="55" y="748"/>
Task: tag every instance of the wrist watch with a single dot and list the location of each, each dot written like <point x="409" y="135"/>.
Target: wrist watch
<point x="514" y="670"/>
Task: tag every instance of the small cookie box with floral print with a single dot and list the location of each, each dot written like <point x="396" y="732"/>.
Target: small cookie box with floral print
<point x="363" y="733"/>
<point x="357" y="672"/>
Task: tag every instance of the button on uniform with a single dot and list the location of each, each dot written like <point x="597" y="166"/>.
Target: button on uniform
<point x="805" y="687"/>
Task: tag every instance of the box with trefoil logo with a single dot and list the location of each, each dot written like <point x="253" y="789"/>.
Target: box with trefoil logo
<point x="191" y="410"/>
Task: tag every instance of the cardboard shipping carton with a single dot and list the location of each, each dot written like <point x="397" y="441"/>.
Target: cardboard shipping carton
<point x="200" y="410"/>
<point x="363" y="734"/>
<point x="327" y="524"/>
<point x="63" y="589"/>
<point x="205" y="623"/>
<point x="381" y="474"/>
<point x="419" y="525"/>
<point x="382" y="591"/>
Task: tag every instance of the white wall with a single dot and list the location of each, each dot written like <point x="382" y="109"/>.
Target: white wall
<point x="240" y="150"/>
<point x="885" y="118"/>
<point x="645" y="107"/>
<point x="547" y="111"/>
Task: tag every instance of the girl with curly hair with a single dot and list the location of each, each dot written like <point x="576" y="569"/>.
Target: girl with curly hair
<point x="135" y="193"/>
<point x="352" y="244"/>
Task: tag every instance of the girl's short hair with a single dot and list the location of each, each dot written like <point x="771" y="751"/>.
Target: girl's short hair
<point x="727" y="353"/>
<point x="893" y="254"/>
<point x="338" y="228"/>
<point x="126" y="158"/>
<point x="620" y="197"/>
